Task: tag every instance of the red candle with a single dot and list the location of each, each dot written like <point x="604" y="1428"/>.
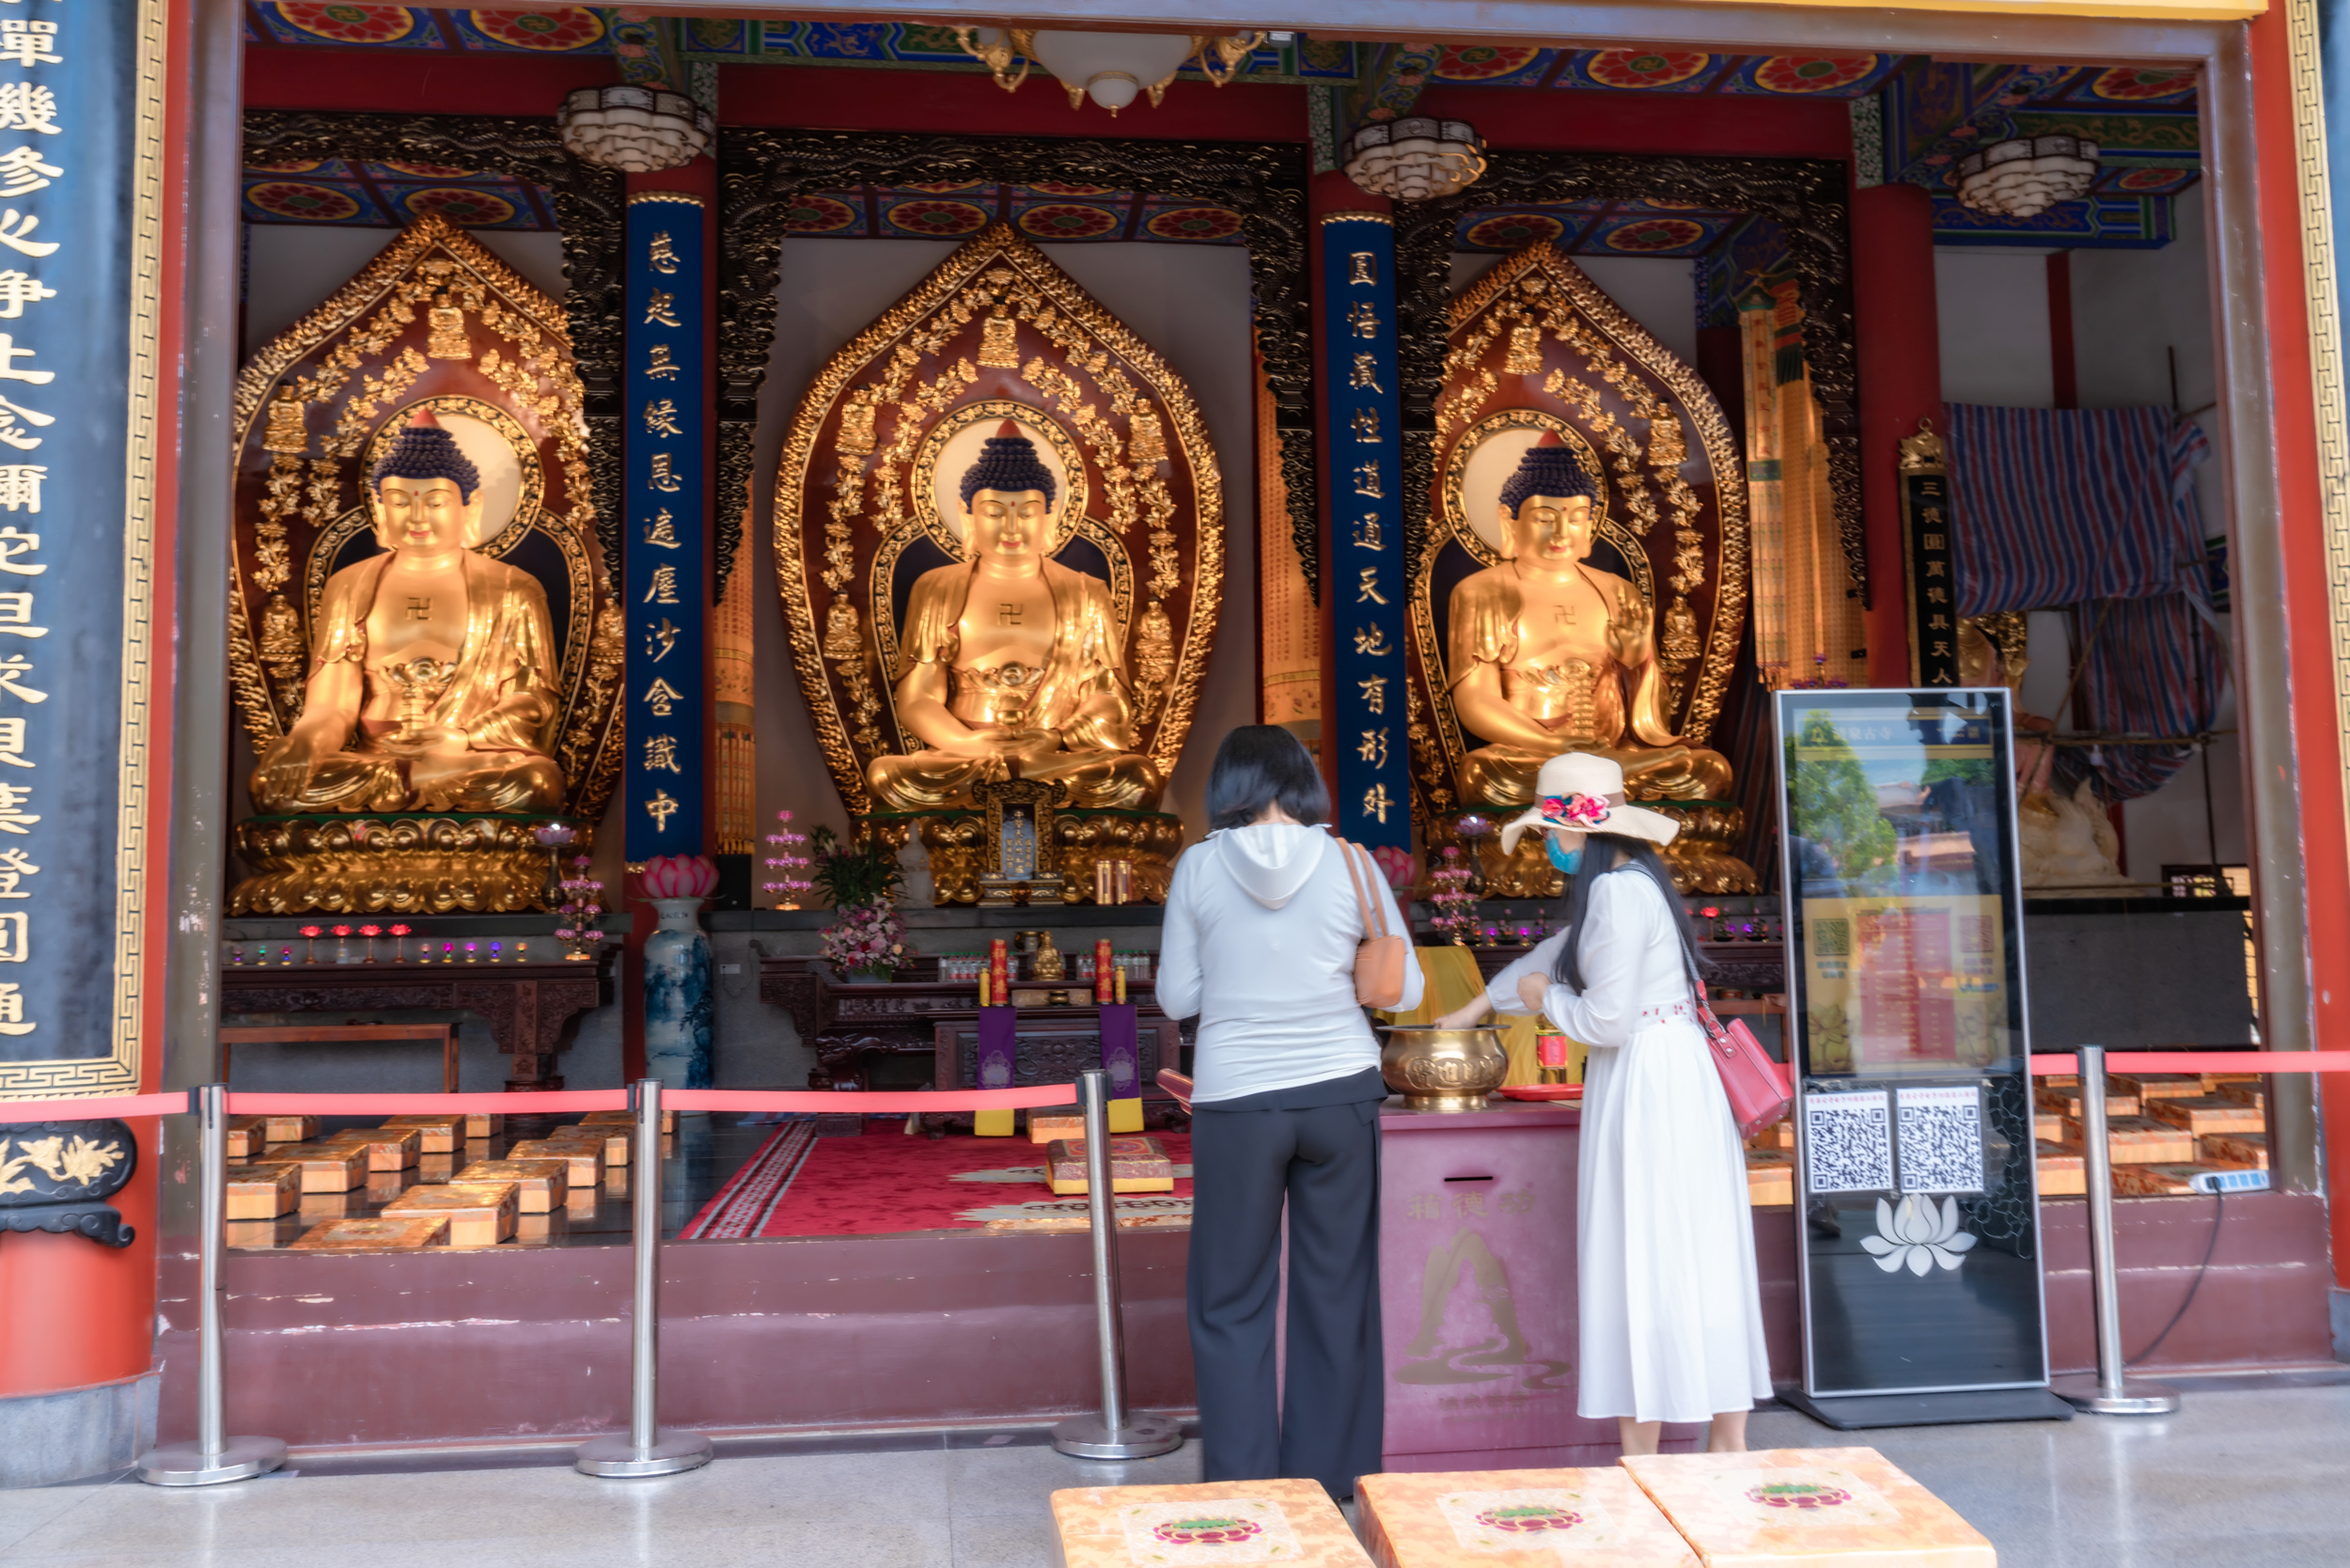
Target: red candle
<point x="1100" y="970"/>
<point x="1000" y="968"/>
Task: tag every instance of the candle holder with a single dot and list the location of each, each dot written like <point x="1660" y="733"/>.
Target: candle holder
<point x="789" y="865"/>
<point x="399" y="950"/>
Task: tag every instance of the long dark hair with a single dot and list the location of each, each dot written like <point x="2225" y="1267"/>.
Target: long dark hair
<point x="1257" y="766"/>
<point x="1604" y="852"/>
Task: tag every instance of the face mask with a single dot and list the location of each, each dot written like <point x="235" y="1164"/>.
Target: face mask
<point x="1566" y="861"/>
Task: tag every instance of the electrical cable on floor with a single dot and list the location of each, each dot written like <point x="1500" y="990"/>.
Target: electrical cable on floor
<point x="2218" y="1213"/>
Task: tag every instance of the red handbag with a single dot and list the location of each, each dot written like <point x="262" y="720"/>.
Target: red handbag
<point x="1757" y="1085"/>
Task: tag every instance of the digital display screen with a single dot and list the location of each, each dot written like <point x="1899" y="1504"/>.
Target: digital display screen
<point x="1919" y="1210"/>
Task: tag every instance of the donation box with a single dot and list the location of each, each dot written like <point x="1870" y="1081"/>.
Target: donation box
<point x="1919" y="1233"/>
<point x="1476" y="1295"/>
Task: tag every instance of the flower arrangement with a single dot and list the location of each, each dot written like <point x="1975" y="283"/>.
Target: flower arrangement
<point x="789" y="864"/>
<point x="582" y="902"/>
<point x="1577" y="811"/>
<point x="1455" y="905"/>
<point x="867" y="941"/>
<point x="1396" y="865"/>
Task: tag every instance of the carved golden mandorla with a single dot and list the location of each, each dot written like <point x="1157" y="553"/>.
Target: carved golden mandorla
<point x="853" y="484"/>
<point x="345" y="362"/>
<point x="1639" y="486"/>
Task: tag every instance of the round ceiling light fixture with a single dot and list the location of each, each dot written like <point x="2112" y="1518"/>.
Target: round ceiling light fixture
<point x="1415" y="159"/>
<point x="1111" y="69"/>
<point x="637" y="129"/>
<point x="2026" y="176"/>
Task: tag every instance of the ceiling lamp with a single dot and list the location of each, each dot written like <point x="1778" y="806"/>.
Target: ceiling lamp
<point x="2024" y="178"/>
<point x="1415" y="159"/>
<point x="1112" y="68"/>
<point x="637" y="129"/>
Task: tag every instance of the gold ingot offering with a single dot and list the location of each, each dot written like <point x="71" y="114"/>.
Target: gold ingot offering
<point x="1443" y="1069"/>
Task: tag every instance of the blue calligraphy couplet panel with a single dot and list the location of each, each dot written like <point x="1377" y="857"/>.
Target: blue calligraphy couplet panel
<point x="1916" y="1176"/>
<point x="80" y="225"/>
<point x="1364" y="478"/>
<point x="665" y="530"/>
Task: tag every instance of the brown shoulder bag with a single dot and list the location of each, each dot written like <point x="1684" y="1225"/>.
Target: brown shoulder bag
<point x="1379" y="960"/>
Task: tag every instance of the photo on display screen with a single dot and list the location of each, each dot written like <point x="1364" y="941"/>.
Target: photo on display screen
<point x="1920" y="1258"/>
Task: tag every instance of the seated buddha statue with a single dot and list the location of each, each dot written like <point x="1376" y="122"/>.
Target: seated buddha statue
<point x="433" y="668"/>
<point x="1550" y="654"/>
<point x="1009" y="663"/>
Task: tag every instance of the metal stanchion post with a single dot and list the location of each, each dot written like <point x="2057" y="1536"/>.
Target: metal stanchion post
<point x="212" y="1458"/>
<point x="1117" y="1433"/>
<point x="648" y="1449"/>
<point x="2109" y="1392"/>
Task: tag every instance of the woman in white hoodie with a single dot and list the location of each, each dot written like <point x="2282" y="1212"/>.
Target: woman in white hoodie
<point x="1262" y="928"/>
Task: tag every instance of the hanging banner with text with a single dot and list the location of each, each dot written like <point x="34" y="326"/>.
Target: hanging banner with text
<point x="1364" y="478"/>
<point x="665" y="532"/>
<point x="1927" y="561"/>
<point x="81" y="101"/>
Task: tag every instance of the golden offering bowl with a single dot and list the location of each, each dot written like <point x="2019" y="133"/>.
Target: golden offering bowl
<point x="1443" y="1069"/>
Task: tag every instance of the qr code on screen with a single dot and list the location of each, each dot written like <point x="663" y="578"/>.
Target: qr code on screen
<point x="1941" y="1139"/>
<point x="1848" y="1142"/>
<point x="1831" y="938"/>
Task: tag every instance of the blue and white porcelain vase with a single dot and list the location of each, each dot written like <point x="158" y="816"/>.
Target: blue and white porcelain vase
<point x="677" y="997"/>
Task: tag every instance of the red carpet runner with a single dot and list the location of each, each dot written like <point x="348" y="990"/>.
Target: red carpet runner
<point x="885" y="1183"/>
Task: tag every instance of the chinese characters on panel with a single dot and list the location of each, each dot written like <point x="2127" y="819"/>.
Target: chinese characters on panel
<point x="665" y="536"/>
<point x="1365" y="478"/>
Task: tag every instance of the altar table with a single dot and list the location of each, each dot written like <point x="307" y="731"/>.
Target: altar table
<point x="533" y="1009"/>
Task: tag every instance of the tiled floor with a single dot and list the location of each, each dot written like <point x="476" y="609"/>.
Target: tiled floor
<point x="2238" y="1476"/>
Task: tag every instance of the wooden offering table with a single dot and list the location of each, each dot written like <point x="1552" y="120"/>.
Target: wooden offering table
<point x="533" y="1009"/>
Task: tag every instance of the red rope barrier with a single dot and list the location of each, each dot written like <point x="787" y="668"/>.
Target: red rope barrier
<point x="427" y="1105"/>
<point x="850" y="1102"/>
<point x="2200" y="1061"/>
<point x="17" y="1112"/>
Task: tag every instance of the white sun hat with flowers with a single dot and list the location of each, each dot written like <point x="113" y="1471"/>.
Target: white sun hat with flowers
<point x="1579" y="792"/>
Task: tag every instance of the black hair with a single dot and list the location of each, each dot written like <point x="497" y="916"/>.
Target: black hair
<point x="1547" y="471"/>
<point x="428" y="452"/>
<point x="1603" y="854"/>
<point x="1258" y="765"/>
<point x="1008" y="463"/>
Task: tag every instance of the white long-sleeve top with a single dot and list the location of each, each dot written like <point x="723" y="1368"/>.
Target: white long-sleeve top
<point x="1632" y="964"/>
<point x="1262" y="928"/>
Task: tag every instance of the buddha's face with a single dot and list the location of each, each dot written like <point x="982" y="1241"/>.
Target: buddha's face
<point x="429" y="516"/>
<point x="1550" y="530"/>
<point x="1011" y="528"/>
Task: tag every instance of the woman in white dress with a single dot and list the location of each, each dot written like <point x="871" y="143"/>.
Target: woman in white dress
<point x="1671" y="1317"/>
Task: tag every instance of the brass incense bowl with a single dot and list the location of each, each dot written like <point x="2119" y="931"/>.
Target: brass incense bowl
<point x="1443" y="1069"/>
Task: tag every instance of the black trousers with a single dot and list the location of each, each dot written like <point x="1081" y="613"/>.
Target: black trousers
<point x="1316" y="1148"/>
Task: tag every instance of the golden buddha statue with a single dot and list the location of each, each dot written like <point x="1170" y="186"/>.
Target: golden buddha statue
<point x="1011" y="663"/>
<point x="1543" y="648"/>
<point x="433" y="672"/>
